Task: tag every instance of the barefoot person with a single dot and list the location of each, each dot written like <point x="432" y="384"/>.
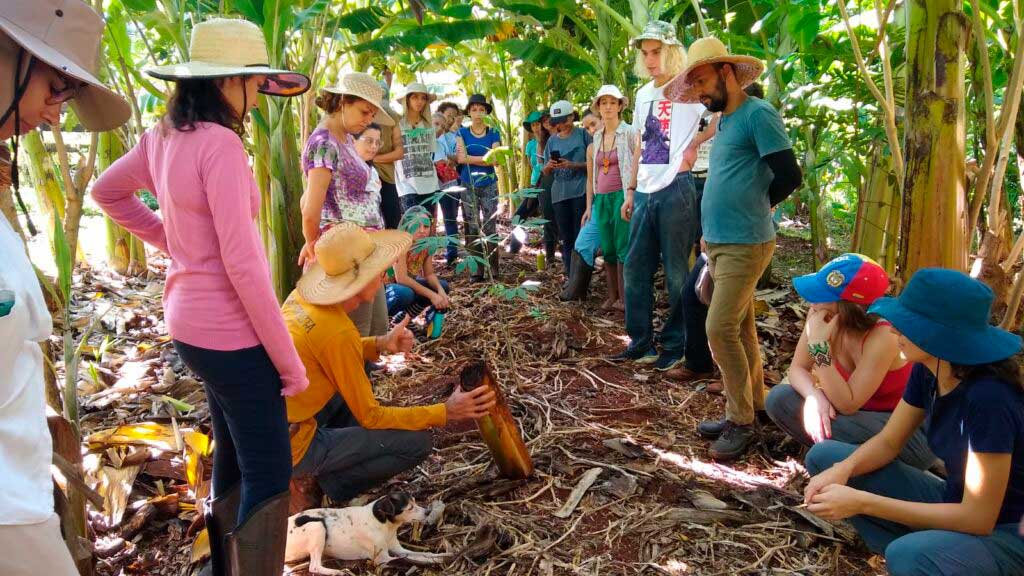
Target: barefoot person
<point x="340" y="434"/>
<point x="847" y="374"/>
<point x="47" y="59"/>
<point x="220" y="306"/>
<point x="752" y="166"/>
<point x="610" y="160"/>
<point x="967" y="386"/>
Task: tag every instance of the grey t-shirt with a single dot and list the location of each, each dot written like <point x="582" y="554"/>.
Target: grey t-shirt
<point x="569" y="183"/>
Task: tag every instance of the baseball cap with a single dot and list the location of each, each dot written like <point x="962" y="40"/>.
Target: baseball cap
<point x="561" y="111"/>
<point x="850" y="277"/>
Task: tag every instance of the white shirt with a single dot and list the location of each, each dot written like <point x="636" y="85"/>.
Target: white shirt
<point x="415" y="172"/>
<point x="26" y="451"/>
<point x="666" y="129"/>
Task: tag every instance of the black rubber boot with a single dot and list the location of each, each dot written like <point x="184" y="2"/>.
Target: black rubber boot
<point x="256" y="548"/>
<point x="579" y="279"/>
<point x="221" y="516"/>
<point x="549" y="252"/>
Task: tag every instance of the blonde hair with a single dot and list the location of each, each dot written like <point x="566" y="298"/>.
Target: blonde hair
<point x="673" y="61"/>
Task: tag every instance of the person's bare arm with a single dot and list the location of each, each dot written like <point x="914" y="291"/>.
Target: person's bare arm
<point x="312" y="203"/>
<point x="396" y="153"/>
<point x="880" y="352"/>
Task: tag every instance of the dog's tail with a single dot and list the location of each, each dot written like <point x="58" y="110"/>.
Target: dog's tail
<point x="305" y="519"/>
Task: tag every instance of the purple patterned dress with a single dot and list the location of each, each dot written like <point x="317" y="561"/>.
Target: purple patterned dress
<point x="348" y="199"/>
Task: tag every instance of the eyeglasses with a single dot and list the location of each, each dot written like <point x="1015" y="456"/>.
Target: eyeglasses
<point x="372" y="142"/>
<point x="67" y="91"/>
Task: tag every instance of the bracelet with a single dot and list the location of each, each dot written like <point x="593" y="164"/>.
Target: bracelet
<point x="820" y="353"/>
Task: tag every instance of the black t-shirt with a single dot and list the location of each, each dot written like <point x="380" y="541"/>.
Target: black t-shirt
<point x="983" y="415"/>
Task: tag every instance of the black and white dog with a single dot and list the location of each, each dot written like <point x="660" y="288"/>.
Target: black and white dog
<point x="367" y="532"/>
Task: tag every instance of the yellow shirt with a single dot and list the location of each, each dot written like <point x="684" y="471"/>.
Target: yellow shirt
<point x="332" y="351"/>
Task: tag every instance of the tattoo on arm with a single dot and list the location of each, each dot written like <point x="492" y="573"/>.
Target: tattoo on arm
<point x="820" y="353"/>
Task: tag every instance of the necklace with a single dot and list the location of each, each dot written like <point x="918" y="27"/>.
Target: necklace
<point x="606" y="162"/>
<point x="475" y="133"/>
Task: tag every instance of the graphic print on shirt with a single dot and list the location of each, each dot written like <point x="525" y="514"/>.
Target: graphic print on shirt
<point x="656" y="142"/>
<point x="419" y="153"/>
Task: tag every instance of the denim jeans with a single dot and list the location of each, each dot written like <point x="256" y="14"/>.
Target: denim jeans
<point x="568" y="216"/>
<point x="661" y="231"/>
<point x="698" y="354"/>
<point x="785" y="406"/>
<point x="910" y="552"/>
<point x="478" y="207"/>
<point x="588" y="241"/>
<point x="400" y="297"/>
<point x="347" y="459"/>
<point x="250" y="423"/>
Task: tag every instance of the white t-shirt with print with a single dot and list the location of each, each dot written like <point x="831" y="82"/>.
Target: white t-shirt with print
<point x="666" y="129"/>
<point x="26" y="450"/>
<point x="415" y="172"/>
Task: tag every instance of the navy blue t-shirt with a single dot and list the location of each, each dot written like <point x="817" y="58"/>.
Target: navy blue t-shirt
<point x="983" y="415"/>
<point x="478" y="146"/>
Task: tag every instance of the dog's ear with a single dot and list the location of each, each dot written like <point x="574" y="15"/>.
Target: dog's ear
<point x="388" y="508"/>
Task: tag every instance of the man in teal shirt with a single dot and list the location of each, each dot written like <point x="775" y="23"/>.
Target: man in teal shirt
<point x="752" y="168"/>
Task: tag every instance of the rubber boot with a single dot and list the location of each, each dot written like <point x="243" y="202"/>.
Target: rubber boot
<point x="579" y="279"/>
<point x="549" y="252"/>
<point x="221" y="516"/>
<point x="256" y="547"/>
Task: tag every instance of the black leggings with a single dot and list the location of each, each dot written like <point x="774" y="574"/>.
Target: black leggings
<point x="568" y="214"/>
<point x="250" y="422"/>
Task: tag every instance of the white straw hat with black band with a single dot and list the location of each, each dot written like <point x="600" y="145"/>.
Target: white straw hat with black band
<point x="711" y="51"/>
<point x="365" y="87"/>
<point x="226" y="47"/>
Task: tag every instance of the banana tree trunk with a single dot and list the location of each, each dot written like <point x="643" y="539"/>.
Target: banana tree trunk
<point x="877" y="223"/>
<point x="284" y="215"/>
<point x="934" y="217"/>
<point x="819" y="231"/>
<point x="49" y="194"/>
<point x="126" y="254"/>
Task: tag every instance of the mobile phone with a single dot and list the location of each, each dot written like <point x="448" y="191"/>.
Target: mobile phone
<point x="556" y="155"/>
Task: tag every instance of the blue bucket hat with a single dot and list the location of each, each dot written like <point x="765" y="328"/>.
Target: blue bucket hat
<point x="946" y="314"/>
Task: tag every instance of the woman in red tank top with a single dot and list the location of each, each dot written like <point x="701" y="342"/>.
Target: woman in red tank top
<point x="847" y="373"/>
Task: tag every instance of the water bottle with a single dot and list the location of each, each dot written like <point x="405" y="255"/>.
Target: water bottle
<point x="436" y="324"/>
<point x="6" y="299"/>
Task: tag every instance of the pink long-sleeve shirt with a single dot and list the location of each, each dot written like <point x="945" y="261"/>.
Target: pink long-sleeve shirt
<point x="218" y="293"/>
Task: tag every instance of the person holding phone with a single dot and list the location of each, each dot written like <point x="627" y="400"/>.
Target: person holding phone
<point x="566" y="158"/>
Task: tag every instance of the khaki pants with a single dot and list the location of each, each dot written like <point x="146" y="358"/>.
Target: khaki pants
<point x="731" y="331"/>
<point x="35" y="549"/>
<point x="372" y="319"/>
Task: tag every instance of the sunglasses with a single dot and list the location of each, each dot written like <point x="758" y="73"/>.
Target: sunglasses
<point x="67" y="90"/>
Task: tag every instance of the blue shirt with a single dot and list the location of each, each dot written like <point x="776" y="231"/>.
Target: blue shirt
<point x="735" y="208"/>
<point x="569" y="182"/>
<point x="536" y="162"/>
<point x="478" y="146"/>
<point x="983" y="415"/>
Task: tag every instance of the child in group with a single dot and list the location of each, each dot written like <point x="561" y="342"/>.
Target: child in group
<point x="847" y="374"/>
<point x="967" y="386"/>
<point x="416" y="286"/>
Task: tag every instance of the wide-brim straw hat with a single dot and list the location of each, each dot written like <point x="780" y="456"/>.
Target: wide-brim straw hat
<point x="66" y="35"/>
<point x="225" y="47"/>
<point x="711" y="51"/>
<point x="364" y="86"/>
<point x="609" y="90"/>
<point x="416" y="88"/>
<point x="347" y="259"/>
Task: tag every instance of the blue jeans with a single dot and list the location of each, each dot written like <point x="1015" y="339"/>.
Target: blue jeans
<point x="401" y="297"/>
<point x="588" y="241"/>
<point x="662" y="230"/>
<point x="910" y="552"/>
<point x="250" y="423"/>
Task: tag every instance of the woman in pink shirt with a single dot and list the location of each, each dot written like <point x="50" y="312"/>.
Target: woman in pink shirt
<point x="219" y="305"/>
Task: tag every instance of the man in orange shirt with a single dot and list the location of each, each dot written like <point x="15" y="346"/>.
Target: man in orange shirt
<point x="340" y="434"/>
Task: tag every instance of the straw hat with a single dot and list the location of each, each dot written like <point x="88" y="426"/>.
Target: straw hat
<point x="347" y="259"/>
<point x="711" y="51"/>
<point x="66" y="35"/>
<point x="609" y="90"/>
<point x="416" y="88"/>
<point x="362" y="85"/>
<point x="223" y="47"/>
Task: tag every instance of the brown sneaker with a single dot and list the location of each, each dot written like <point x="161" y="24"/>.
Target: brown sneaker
<point x="305" y="494"/>
<point x="716" y="387"/>
<point x="684" y="375"/>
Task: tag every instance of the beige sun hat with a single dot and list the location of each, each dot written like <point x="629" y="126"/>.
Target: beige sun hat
<point x="416" y="88"/>
<point x="224" y="47"/>
<point x="609" y="90"/>
<point x="711" y="51"/>
<point x="362" y="85"/>
<point x="347" y="258"/>
<point x="66" y="35"/>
